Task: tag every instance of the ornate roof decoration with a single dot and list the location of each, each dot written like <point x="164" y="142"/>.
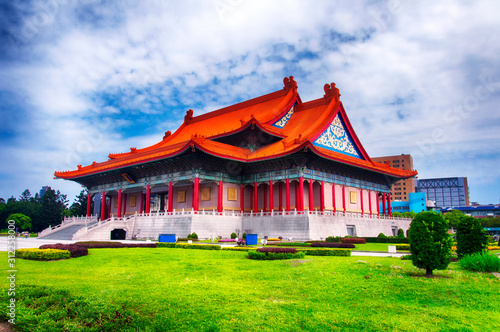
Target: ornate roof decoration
<point x="336" y="138"/>
<point x="281" y="123"/>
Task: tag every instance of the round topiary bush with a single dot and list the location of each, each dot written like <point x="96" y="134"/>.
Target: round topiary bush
<point x="471" y="237"/>
<point x="245" y="236"/>
<point x="430" y="243"/>
<point x="401" y="233"/>
<point x="194" y="236"/>
<point x="233" y="235"/>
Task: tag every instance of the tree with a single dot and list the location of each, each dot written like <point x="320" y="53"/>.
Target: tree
<point x="79" y="206"/>
<point x="471" y="237"/>
<point x="25" y="196"/>
<point x="52" y="207"/>
<point x="453" y="217"/>
<point x="22" y="222"/>
<point x="401" y="233"/>
<point x="430" y="243"/>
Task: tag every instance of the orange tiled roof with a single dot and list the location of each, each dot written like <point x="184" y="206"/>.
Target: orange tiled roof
<point x="303" y="125"/>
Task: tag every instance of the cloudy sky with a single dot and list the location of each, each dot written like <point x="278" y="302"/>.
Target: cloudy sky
<point x="81" y="79"/>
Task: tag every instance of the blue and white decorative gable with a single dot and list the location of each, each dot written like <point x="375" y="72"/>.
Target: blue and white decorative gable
<point x="336" y="138"/>
<point x="284" y="120"/>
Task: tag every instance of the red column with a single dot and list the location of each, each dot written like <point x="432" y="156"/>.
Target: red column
<point x="124" y="205"/>
<point x="287" y="194"/>
<point x="264" y="201"/>
<point x="242" y="198"/>
<point x="362" y="205"/>
<point x="141" y="210"/>
<point x="334" y="204"/>
<point x="343" y="197"/>
<point x="389" y="204"/>
<point x="220" y="197"/>
<point x="297" y="199"/>
<point x="119" y="209"/>
<point x="271" y="194"/>
<point x="301" y="194"/>
<point x="311" y="198"/>
<point x="103" y="205"/>
<point x="170" y="206"/>
<point x="148" y="198"/>
<point x="370" y="201"/>
<point x="110" y="206"/>
<point x="89" y="202"/>
<point x="322" y="196"/>
<point x="255" y="197"/>
<point x="378" y="203"/>
<point x="384" y="211"/>
<point x="280" y="196"/>
<point x="196" y="193"/>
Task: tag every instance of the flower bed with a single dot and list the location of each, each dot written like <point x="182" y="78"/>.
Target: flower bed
<point x="275" y="254"/>
<point x="227" y="240"/>
<point x="75" y="250"/>
<point x="357" y="240"/>
<point x="292" y="244"/>
<point x="332" y="245"/>
<point x="326" y="252"/>
<point x="277" y="250"/>
<point x="273" y="239"/>
<point x="42" y="254"/>
<point x="101" y="245"/>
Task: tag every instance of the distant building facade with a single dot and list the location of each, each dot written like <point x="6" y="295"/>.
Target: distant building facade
<point x="452" y="191"/>
<point x="400" y="190"/>
<point x="44" y="190"/>
<point x="476" y="211"/>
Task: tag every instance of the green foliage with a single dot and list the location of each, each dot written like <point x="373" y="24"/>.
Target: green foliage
<point x="381" y="238"/>
<point x="23" y="222"/>
<point x="197" y="246"/>
<point x="274" y="256"/>
<point x="42" y="254"/>
<point x="233" y="235"/>
<point x="194" y="236"/>
<point x="480" y="262"/>
<point x="335" y="239"/>
<point x="471" y="236"/>
<point x="401" y="233"/>
<point x="165" y="245"/>
<point x="453" y="217"/>
<point x="79" y="206"/>
<point x="244" y="236"/>
<point x="430" y="244"/>
<point x="402" y="247"/>
<point x="292" y="244"/>
<point x="326" y="252"/>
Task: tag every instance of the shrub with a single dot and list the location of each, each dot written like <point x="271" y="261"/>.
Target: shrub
<point x="335" y="239"/>
<point x="332" y="245"/>
<point x="277" y="250"/>
<point x="185" y="239"/>
<point x="42" y="254"/>
<point x="165" y="245"/>
<point x="245" y="236"/>
<point x="241" y="242"/>
<point x="273" y="239"/>
<point x="401" y="233"/>
<point x="471" y="236"/>
<point x="227" y="240"/>
<point x="108" y="245"/>
<point x="274" y="256"/>
<point x="75" y="250"/>
<point x="391" y="239"/>
<point x="193" y="236"/>
<point x="430" y="243"/>
<point x="233" y="235"/>
<point x="326" y="252"/>
<point x="357" y="240"/>
<point x="293" y="244"/>
<point x="481" y="262"/>
<point x="402" y="247"/>
<point x="189" y="237"/>
<point x="197" y="246"/>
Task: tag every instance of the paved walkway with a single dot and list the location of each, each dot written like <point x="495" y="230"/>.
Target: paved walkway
<point x="22" y="243"/>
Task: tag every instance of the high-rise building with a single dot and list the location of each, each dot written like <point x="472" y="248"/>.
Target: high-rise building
<point x="43" y="190"/>
<point x="445" y="192"/>
<point x="400" y="190"/>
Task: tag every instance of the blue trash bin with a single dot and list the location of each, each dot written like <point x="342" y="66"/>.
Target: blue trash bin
<point x="170" y="238"/>
<point x="251" y="239"/>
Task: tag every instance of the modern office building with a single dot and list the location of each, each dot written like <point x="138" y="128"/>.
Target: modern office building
<point x="445" y="191"/>
<point x="400" y="190"/>
<point x="476" y="211"/>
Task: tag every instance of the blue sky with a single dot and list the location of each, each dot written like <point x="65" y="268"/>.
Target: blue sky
<point x="81" y="79"/>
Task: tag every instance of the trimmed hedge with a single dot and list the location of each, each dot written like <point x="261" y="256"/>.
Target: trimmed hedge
<point x="277" y="250"/>
<point x="326" y="252"/>
<point x="402" y="247"/>
<point x="391" y="239"/>
<point x="238" y="248"/>
<point x="42" y="254"/>
<point x="357" y="240"/>
<point x="293" y="244"/>
<point x="103" y="245"/>
<point x="332" y="245"/>
<point x="197" y="246"/>
<point x="258" y="255"/>
<point x="75" y="250"/>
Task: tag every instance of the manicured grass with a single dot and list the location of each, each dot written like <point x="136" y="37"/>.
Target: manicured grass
<point x="162" y="289"/>
<point x="384" y="247"/>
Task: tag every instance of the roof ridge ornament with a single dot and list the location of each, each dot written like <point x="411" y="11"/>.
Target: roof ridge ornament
<point x="188" y="117"/>
<point x="331" y="92"/>
<point x="289" y="83"/>
<point x="167" y="134"/>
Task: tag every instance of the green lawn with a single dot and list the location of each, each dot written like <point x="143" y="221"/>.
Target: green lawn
<point x="384" y="247"/>
<point x="144" y="289"/>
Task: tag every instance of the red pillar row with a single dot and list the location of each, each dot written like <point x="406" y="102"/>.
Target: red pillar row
<point x="148" y="198"/>
<point x="196" y="194"/>
<point x="301" y="194"/>
<point x="89" y="202"/>
<point x="220" y="197"/>
<point x="170" y="206"/>
<point x="119" y="208"/>
<point x="287" y="194"/>
<point x="311" y="198"/>
<point x="103" y="206"/>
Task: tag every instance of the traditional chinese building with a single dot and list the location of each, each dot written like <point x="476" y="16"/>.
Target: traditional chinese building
<point x="273" y="165"/>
